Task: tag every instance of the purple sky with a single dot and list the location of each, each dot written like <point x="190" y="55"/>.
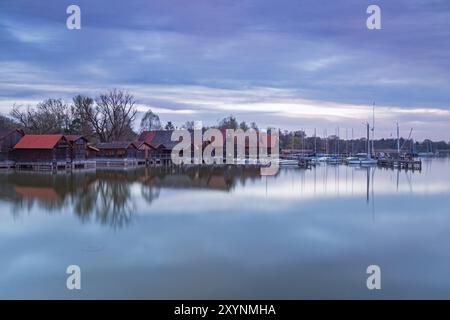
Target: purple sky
<point x="287" y="63"/>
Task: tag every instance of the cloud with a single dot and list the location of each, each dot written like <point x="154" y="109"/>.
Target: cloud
<point x="194" y="58"/>
<point x="283" y="108"/>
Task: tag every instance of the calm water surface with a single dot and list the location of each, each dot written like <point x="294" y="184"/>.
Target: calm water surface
<point x="166" y="234"/>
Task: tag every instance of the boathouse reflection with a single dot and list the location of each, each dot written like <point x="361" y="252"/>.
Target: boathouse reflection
<point x="106" y="196"/>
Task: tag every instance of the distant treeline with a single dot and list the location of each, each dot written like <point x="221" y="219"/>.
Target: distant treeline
<point x="333" y="145"/>
<point x="111" y="116"/>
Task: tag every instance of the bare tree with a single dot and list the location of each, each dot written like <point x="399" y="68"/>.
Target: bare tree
<point x="169" y="126"/>
<point x="83" y="122"/>
<point x="188" y="125"/>
<point x="243" y="125"/>
<point x="150" y="121"/>
<point x="115" y="112"/>
<point x="110" y="118"/>
<point x="49" y="116"/>
<point x="6" y="122"/>
<point x="228" y="123"/>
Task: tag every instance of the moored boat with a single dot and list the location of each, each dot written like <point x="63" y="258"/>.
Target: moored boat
<point x="368" y="162"/>
<point x="353" y="160"/>
<point x="334" y="160"/>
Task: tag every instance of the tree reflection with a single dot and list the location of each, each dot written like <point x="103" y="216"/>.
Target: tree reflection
<point x="110" y="197"/>
<point x="105" y="200"/>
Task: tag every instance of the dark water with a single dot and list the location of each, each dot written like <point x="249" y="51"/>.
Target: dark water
<point x="150" y="233"/>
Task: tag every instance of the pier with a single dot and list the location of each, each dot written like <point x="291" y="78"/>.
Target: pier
<point x="406" y="164"/>
<point x="114" y="162"/>
<point x="42" y="165"/>
<point x="305" y="163"/>
<point x="7" y="164"/>
<point x="53" y="165"/>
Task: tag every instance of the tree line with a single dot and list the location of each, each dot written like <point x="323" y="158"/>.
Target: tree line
<point x="108" y="117"/>
<point x="111" y="117"/>
<point x="299" y="141"/>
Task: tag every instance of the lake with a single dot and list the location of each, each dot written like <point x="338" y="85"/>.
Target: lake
<point x="229" y="233"/>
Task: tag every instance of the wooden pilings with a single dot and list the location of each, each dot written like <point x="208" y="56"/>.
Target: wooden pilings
<point x="7" y="164"/>
<point x="401" y="164"/>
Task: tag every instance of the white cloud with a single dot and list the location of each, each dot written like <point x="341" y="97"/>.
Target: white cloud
<point x="284" y="108"/>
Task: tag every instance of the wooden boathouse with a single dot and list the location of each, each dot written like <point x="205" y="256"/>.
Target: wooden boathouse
<point x="119" y="153"/>
<point x="162" y="144"/>
<point x="42" y="152"/>
<point x="144" y="151"/>
<point x="79" y="152"/>
<point x="8" y="139"/>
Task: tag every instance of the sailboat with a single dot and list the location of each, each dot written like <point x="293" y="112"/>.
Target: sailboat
<point x="368" y="161"/>
<point x="427" y="154"/>
<point x="352" y="160"/>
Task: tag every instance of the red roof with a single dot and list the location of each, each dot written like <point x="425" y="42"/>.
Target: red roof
<point x="147" y="136"/>
<point x="38" y="193"/>
<point x="41" y="141"/>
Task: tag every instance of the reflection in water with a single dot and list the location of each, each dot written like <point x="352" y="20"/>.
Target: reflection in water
<point x="110" y="197"/>
<point x="106" y="195"/>
<point x="223" y="234"/>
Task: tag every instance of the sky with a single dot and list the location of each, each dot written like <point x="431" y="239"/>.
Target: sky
<point x="292" y="64"/>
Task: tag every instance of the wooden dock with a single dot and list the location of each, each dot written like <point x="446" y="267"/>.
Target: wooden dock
<point x="7" y="164"/>
<point x="305" y="163"/>
<point x="80" y="164"/>
<point x="115" y="162"/>
<point x="84" y="164"/>
<point x="43" y="166"/>
<point x="407" y="164"/>
<point x="53" y="166"/>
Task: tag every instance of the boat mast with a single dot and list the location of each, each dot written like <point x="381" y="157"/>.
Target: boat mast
<point x="337" y="153"/>
<point x="373" y="129"/>
<point x="315" y="141"/>
<point x="369" y="155"/>
<point x="302" y="140"/>
<point x="398" y="140"/>
<point x="353" y="144"/>
<point x="292" y="144"/>
<point x="346" y="141"/>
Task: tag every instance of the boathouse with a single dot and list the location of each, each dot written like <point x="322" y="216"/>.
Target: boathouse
<point x="79" y="152"/>
<point x="120" y="153"/>
<point x="162" y="154"/>
<point x="39" y="151"/>
<point x="8" y="139"/>
<point x="117" y="150"/>
<point x="78" y="147"/>
<point x="91" y="151"/>
<point x="162" y="144"/>
<point x="144" y="151"/>
<point x="161" y="141"/>
<point x="259" y="142"/>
